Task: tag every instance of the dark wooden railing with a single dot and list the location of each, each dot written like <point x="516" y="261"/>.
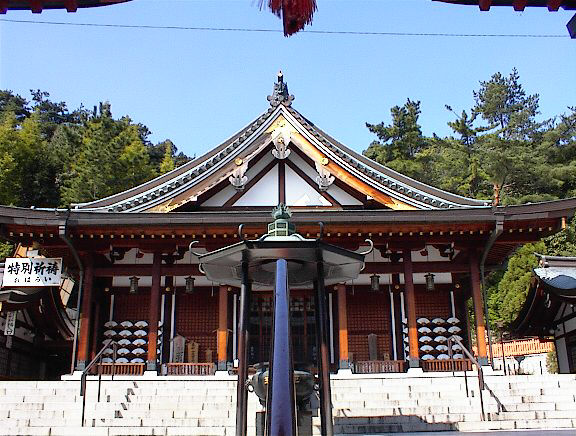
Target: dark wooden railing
<point x="472" y="359"/>
<point x="93" y="363"/>
<point x="189" y="369"/>
<point x="378" y="366"/>
<point x="447" y="365"/>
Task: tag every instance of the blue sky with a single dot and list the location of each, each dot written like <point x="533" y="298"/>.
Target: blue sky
<point x="199" y="87"/>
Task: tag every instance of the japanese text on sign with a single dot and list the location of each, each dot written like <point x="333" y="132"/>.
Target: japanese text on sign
<point x="10" y="326"/>
<point x="32" y="272"/>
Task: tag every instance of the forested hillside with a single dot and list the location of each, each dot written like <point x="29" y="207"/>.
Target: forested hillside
<point x="500" y="150"/>
<point x="51" y="156"/>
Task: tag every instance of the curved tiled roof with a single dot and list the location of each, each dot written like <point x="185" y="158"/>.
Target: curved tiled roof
<point x="165" y="187"/>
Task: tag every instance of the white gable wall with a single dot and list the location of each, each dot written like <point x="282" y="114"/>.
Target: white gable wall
<point x="300" y="193"/>
<point x="337" y="193"/>
<point x="220" y="198"/>
<point x="263" y="193"/>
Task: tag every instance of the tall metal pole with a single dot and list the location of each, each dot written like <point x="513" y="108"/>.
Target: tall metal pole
<point x="281" y="399"/>
<point x="242" y="391"/>
<point x="327" y="426"/>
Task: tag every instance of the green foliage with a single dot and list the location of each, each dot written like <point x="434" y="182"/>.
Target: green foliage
<point x="50" y="156"/>
<point x="552" y="362"/>
<point x="563" y="243"/>
<point x="503" y="103"/>
<point x="6" y="250"/>
<point x="401" y="145"/>
<point x="168" y="163"/>
<point x="507" y="296"/>
<point x="499" y="150"/>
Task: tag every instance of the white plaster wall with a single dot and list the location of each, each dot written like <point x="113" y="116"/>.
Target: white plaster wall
<point x="300" y="193"/>
<point x="339" y="195"/>
<point x="263" y="193"/>
<point x="532" y="364"/>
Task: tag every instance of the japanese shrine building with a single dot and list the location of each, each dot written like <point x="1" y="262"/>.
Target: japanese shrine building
<point x="140" y="283"/>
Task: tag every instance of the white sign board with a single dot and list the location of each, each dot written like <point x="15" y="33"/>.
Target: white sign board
<point x="25" y="271"/>
<point x="179" y="346"/>
<point x="10" y="326"/>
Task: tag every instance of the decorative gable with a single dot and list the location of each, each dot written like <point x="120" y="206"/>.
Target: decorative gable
<point x="280" y="158"/>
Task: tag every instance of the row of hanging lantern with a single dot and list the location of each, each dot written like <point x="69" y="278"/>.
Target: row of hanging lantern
<point x="189" y="287"/>
<point x="429" y="277"/>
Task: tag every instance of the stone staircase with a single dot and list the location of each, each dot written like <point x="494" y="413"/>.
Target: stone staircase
<point x="380" y="404"/>
<point x="361" y="405"/>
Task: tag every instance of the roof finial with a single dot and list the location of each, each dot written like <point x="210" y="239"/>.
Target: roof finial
<point x="280" y="93"/>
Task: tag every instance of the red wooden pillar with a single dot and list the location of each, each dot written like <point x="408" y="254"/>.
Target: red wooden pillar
<point x="478" y="301"/>
<point x="414" y="356"/>
<point x="222" y="338"/>
<point x="96" y="322"/>
<point x="154" y="313"/>
<point x="342" y="327"/>
<point x="85" y="330"/>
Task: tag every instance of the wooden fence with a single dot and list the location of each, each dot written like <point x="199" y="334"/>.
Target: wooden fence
<point x="378" y="366"/>
<point x="119" y="369"/>
<point x="189" y="369"/>
<point x="523" y="347"/>
<point x="446" y="365"/>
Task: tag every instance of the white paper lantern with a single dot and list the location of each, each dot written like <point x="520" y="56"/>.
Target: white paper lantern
<point x="124" y="342"/>
<point x="109" y="333"/>
<point x="439" y="330"/>
<point x="125" y="333"/>
<point x="122" y="360"/>
<point x="425" y="339"/>
<point x="441" y="347"/>
<point x="452" y="320"/>
<point x="454" y="329"/>
<point x="424" y="330"/>
<point x="127" y="324"/>
<point x="123" y="351"/>
<point x="443" y="357"/>
<point x="140" y="333"/>
<point x="427" y="348"/>
<point x="107" y="351"/>
<point x="458" y="356"/>
<point x="440" y="339"/>
<point x="138" y="351"/>
<point x="438" y="321"/>
<point x="423" y="321"/>
<point x="141" y="324"/>
<point x="107" y="360"/>
<point x="137" y="360"/>
<point x="428" y="357"/>
<point x="110" y="324"/>
<point x="139" y="342"/>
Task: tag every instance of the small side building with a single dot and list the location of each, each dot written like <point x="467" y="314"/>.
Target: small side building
<point x="549" y="308"/>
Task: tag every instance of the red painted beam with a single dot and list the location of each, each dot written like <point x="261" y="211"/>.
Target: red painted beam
<point x="71" y="5"/>
<point x="554" y="5"/>
<point x="36" y="6"/>
<point x="3" y="6"/>
<point x="519" y="5"/>
<point x="485" y="5"/>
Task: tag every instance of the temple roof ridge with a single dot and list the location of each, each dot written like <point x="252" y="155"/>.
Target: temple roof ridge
<point x="232" y="156"/>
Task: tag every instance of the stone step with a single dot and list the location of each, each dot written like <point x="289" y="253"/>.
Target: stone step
<point x="116" y="431"/>
<point x="517" y="424"/>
